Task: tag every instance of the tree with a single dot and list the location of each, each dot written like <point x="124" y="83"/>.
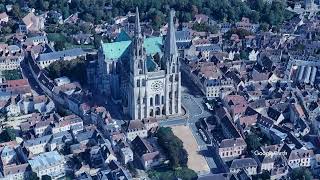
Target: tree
<point x="244" y="55"/>
<point x="59" y="45"/>
<point x="74" y="69"/>
<point x="8" y="134"/>
<point x="34" y="176"/>
<point x="265" y="175"/>
<point x="264" y="27"/>
<point x="46" y="177"/>
<point x="2" y="8"/>
<point x="186" y="174"/>
<point x="173" y="147"/>
<point x="301" y="173"/>
<point x="253" y="142"/>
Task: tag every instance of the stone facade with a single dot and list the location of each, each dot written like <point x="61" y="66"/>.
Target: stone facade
<point x="142" y="75"/>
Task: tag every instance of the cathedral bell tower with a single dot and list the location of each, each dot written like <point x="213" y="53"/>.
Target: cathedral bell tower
<point x="172" y="68"/>
<point x="138" y="64"/>
<point x="138" y="74"/>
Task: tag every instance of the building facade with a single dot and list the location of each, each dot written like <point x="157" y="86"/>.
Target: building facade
<point x="142" y="73"/>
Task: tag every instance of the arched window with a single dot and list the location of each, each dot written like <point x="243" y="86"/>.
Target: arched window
<point x="157" y="100"/>
<point x="151" y="101"/>
<point x="177" y="77"/>
<point x="158" y="111"/>
<point x="162" y="99"/>
<point x="151" y="112"/>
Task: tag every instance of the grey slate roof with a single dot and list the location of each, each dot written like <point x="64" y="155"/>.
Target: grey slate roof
<point x="61" y="54"/>
<point x="37" y="141"/>
<point x="242" y="163"/>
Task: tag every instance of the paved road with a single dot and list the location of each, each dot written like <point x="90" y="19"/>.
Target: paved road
<point x="28" y="75"/>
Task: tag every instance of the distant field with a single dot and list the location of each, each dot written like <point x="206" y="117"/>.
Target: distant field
<point x="196" y="161"/>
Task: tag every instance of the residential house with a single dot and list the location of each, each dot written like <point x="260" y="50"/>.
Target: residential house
<point x="68" y="123"/>
<point x="247" y="164"/>
<point x="37" y="145"/>
<point x="8" y="155"/>
<point x="135" y="128"/>
<point x="147" y="154"/>
<point x="59" y="141"/>
<point x="32" y="23"/>
<point x="36" y="40"/>
<point x="236" y="104"/>
<point x="231" y="148"/>
<point x="10" y="57"/>
<point x="299" y="157"/>
<point x="49" y="163"/>
<point x="43" y="127"/>
<point x="4" y="18"/>
<point x="16" y="172"/>
<point x="126" y="155"/>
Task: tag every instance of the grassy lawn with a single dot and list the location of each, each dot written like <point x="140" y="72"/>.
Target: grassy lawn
<point x="182" y="173"/>
<point x="12" y="74"/>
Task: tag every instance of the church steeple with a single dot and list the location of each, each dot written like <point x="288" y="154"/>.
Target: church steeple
<point x="170" y="43"/>
<point x="137" y="27"/>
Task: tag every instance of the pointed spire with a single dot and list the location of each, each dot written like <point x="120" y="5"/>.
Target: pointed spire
<point x="170" y="44"/>
<point x="137" y="29"/>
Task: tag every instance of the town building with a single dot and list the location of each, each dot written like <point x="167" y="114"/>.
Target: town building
<point x="50" y="163"/>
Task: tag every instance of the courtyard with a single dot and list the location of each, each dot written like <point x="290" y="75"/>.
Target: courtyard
<point x="196" y="161"/>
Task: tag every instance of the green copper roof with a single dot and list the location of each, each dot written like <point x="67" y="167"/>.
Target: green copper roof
<point x="123" y="36"/>
<point x="153" y="45"/>
<point x="115" y="50"/>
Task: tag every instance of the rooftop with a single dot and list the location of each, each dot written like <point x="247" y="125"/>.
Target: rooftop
<point x="45" y="160"/>
<point x="115" y="50"/>
<point x="61" y="54"/>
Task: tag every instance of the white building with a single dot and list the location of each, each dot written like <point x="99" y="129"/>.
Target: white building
<point x="10" y="57"/>
<point x="49" y="163"/>
<point x="136" y="128"/>
<point x="232" y="148"/>
<point x="37" y="145"/>
<point x="126" y="155"/>
<point x="44" y="60"/>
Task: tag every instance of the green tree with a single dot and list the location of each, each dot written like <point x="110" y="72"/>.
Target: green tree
<point x="8" y="134"/>
<point x="6" y="30"/>
<point x="265" y="175"/>
<point x="2" y="8"/>
<point x="253" y="142"/>
<point x="264" y="27"/>
<point x="301" y="173"/>
<point x="173" y="147"/>
<point x="186" y="174"/>
<point x="59" y="45"/>
<point x="244" y="55"/>
<point x="74" y="69"/>
<point x="46" y="177"/>
<point x="34" y="176"/>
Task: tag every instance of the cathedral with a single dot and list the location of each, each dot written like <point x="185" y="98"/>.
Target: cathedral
<point x="142" y="73"/>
